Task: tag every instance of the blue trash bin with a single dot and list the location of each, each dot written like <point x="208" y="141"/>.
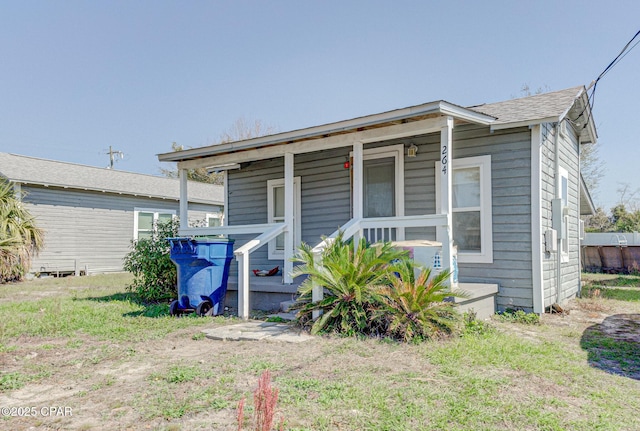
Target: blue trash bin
<point x="203" y="272"/>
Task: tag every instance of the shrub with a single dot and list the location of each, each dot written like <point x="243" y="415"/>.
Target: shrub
<point x="155" y="276"/>
<point x="519" y="316"/>
<point x="352" y="277"/>
<point x="417" y="306"/>
<point x="473" y="326"/>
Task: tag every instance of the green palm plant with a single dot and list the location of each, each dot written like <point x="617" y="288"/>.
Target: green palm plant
<point x="20" y="238"/>
<point x="351" y="276"/>
<point x="417" y="307"/>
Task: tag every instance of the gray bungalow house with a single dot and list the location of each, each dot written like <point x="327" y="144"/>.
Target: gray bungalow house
<point x="497" y="185"/>
<point x="90" y="215"/>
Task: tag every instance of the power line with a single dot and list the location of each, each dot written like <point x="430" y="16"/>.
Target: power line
<point x="615" y="61"/>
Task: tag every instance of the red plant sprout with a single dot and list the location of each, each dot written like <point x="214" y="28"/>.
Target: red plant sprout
<point x="264" y="400"/>
<point x="240" y="414"/>
<point x="264" y="405"/>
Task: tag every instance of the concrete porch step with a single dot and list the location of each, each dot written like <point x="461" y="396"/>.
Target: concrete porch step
<point x="480" y="298"/>
<point x="285" y="306"/>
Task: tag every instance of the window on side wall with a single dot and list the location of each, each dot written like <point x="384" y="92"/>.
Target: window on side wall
<point x="471" y="208"/>
<point x="146" y="221"/>
<point x="275" y="214"/>
<point x="214" y="219"/>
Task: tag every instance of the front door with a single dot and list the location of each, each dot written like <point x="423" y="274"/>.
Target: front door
<point x="379" y="187"/>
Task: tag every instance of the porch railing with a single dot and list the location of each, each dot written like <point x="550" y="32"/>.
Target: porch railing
<point x="357" y="227"/>
<point x="267" y="232"/>
<point x="363" y="228"/>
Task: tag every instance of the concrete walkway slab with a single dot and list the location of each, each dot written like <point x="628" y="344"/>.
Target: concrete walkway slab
<point x="257" y="330"/>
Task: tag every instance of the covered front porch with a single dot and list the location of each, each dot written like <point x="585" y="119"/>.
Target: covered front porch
<point x="359" y="140"/>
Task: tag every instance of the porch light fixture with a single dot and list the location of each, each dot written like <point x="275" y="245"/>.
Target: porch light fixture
<point x="412" y="150"/>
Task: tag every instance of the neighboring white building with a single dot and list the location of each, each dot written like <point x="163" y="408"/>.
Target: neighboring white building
<point x="90" y="215"/>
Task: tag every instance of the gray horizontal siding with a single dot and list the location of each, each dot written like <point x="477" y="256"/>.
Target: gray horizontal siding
<point x="92" y="229"/>
<point x="569" y="159"/>
<point x="510" y="152"/>
<point x="326" y="193"/>
<point x="325" y="196"/>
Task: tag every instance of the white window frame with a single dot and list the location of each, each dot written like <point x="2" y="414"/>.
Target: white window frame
<point x="156" y="213"/>
<point x="564" y="196"/>
<point x="218" y="215"/>
<point x="486" y="209"/>
<point x="273" y="253"/>
<point x="397" y="152"/>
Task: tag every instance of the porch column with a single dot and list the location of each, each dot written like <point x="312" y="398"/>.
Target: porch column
<point x="358" y="184"/>
<point x="184" y="200"/>
<point x="288" y="218"/>
<point x="446" y="232"/>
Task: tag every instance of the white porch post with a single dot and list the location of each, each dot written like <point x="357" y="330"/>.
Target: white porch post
<point x="446" y="157"/>
<point x="184" y="200"/>
<point x="358" y="184"/>
<point x="243" y="285"/>
<point x="288" y="217"/>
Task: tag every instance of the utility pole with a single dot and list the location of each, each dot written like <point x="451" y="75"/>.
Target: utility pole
<point x="112" y="153"/>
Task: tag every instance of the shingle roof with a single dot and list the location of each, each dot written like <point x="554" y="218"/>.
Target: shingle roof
<point x="31" y="170"/>
<point x="531" y="108"/>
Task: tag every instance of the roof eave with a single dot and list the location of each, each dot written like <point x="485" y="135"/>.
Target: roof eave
<point x="438" y="107"/>
<point x="113" y="191"/>
<point x="586" y="196"/>
<point x="525" y="123"/>
<point x="592" y="133"/>
<point x="465" y="114"/>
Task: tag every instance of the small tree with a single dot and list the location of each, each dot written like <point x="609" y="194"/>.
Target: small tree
<point x="20" y="237"/>
<point x="155" y="275"/>
<point x="599" y="222"/>
<point x="625" y="221"/>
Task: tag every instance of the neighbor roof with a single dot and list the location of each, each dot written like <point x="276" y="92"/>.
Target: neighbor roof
<point x="51" y="173"/>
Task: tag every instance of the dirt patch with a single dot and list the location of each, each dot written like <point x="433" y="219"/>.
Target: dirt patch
<point x="185" y="381"/>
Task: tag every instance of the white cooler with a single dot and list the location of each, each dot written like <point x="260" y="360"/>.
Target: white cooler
<point x="429" y="255"/>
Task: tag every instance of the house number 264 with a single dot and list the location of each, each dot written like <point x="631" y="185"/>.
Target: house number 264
<point x="444" y="160"/>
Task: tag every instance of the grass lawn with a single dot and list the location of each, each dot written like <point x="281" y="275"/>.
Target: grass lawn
<point x="85" y="344"/>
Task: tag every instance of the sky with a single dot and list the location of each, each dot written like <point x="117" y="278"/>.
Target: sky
<point x="77" y="77"/>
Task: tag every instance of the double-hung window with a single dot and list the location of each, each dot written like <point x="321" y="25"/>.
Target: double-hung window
<point x="146" y="221"/>
<point x="275" y="214"/>
<point x="471" y="209"/>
